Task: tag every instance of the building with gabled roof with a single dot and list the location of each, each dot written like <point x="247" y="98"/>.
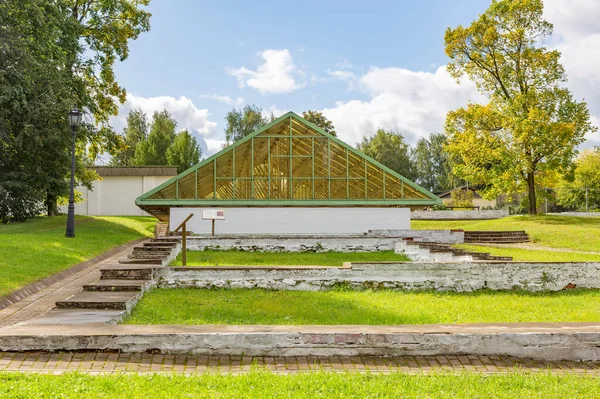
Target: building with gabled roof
<point x="288" y="163"/>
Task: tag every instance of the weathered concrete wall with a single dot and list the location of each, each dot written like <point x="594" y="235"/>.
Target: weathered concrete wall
<point x="446" y="276"/>
<point x="307" y="243"/>
<point x="578" y="214"/>
<point x="441" y="236"/>
<point x="459" y="215"/>
<point x="295" y="220"/>
<point x="548" y="342"/>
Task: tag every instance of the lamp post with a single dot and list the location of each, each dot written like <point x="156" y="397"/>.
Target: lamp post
<point x="74" y="121"/>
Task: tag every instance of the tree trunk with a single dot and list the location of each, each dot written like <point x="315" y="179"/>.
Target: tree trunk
<point x="531" y="190"/>
<point x="51" y="204"/>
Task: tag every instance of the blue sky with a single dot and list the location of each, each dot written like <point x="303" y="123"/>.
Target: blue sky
<point x="364" y="64"/>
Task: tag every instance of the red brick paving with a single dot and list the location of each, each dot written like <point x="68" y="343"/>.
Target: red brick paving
<point x="106" y="363"/>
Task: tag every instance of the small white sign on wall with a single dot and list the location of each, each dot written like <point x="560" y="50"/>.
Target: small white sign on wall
<point x="213" y="214"/>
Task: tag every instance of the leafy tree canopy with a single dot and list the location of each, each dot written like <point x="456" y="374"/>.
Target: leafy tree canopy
<point x="184" y="152"/>
<point x="320" y="120"/>
<point x="390" y="149"/>
<point x="584" y="186"/>
<point x="531" y="125"/>
<point x="432" y="163"/>
<point x="240" y="123"/>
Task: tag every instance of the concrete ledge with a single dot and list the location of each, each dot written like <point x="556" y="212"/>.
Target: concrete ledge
<point x="442" y="276"/>
<point x="546" y="341"/>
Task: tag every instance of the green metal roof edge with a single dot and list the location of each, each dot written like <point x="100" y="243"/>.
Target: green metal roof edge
<point x="298" y="203"/>
<point x="142" y="200"/>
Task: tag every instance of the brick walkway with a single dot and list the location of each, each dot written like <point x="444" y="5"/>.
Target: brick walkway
<point x="44" y="300"/>
<point x="104" y="363"/>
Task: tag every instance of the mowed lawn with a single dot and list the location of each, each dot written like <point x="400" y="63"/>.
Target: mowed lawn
<point x="38" y="248"/>
<point x="341" y="306"/>
<point x="244" y="258"/>
<point x="562" y="234"/>
<point x="302" y="385"/>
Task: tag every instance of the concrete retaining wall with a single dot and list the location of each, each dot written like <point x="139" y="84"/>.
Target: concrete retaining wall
<point x="459" y="215"/>
<point x="309" y="243"/>
<point x="440" y="236"/>
<point x="448" y="276"/>
<point x="295" y="220"/>
<point x="551" y="342"/>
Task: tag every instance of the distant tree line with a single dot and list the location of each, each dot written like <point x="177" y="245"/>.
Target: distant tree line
<point x="156" y="143"/>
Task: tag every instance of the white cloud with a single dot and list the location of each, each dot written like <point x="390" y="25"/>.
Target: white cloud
<point x="412" y="103"/>
<point x="182" y="109"/>
<point x="238" y="101"/>
<point x="273" y="110"/>
<point x="276" y="75"/>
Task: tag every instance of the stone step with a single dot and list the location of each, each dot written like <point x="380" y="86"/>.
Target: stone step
<point x="153" y="249"/>
<point x="116" y="285"/>
<point x="165" y="240"/>
<point x="140" y="261"/>
<point x="127" y="273"/>
<point x="77" y="316"/>
<point x="159" y="245"/>
<point x="143" y="255"/>
<point x="98" y="300"/>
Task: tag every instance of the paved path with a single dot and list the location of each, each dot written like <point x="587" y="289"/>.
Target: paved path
<point x="105" y="363"/>
<point x="44" y="300"/>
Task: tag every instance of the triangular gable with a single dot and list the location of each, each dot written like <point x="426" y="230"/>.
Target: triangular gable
<point x="289" y="161"/>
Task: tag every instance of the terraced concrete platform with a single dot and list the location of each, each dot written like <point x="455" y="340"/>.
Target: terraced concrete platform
<point x="546" y="341"/>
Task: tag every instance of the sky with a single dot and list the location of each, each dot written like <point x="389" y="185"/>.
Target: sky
<point x="364" y="64"/>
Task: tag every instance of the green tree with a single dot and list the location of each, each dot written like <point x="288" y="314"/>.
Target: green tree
<point x="134" y="133"/>
<point x="432" y="165"/>
<point x="390" y="149"/>
<point x="153" y="151"/>
<point x="184" y="152"/>
<point x="240" y="123"/>
<point x="584" y="186"/>
<point x="461" y="198"/>
<point x="35" y="96"/>
<point x="531" y="124"/>
<point x="320" y="120"/>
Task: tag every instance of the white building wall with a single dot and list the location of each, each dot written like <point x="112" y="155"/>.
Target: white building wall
<point x="295" y="220"/>
<point x="115" y="195"/>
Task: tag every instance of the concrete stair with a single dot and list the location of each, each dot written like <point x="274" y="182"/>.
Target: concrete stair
<point x="436" y="252"/>
<point x="99" y="300"/>
<point x="127" y="272"/>
<point x="154" y="252"/>
<point x="117" y="285"/>
<point x="496" y="237"/>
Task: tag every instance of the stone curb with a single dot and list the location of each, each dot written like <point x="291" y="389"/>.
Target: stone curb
<point x="39" y="285"/>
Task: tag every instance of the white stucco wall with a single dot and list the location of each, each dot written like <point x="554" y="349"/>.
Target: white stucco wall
<point x="115" y="195"/>
<point x="295" y="220"/>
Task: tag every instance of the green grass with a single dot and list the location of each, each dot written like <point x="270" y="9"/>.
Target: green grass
<point x="298" y="386"/>
<point x="238" y="306"/>
<point x="533" y="254"/>
<point x="580" y="234"/>
<point x="244" y="258"/>
<point x="38" y="248"/>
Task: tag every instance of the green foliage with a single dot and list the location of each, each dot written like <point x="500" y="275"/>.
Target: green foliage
<point x="245" y="258"/>
<point x="461" y="198"/>
<point x="35" y="96"/>
<point x="134" y="133"/>
<point x="531" y="126"/>
<point x="312" y="385"/>
<point x="557" y="232"/>
<point x="153" y="150"/>
<point x="346" y="307"/>
<point x="38" y="248"/>
<point x="390" y="149"/>
<point x="432" y="165"/>
<point x="241" y="123"/>
<point x="585" y="182"/>
<point x="184" y="152"/>
<point x="320" y="120"/>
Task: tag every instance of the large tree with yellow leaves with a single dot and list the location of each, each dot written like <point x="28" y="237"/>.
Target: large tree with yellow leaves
<point x="531" y="126"/>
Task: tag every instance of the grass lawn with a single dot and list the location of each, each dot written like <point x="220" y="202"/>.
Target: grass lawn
<point x="533" y="254"/>
<point x="239" y="306"/>
<point x="303" y="385"/>
<point x="38" y="248"/>
<point x="244" y="258"/>
<point x="579" y="234"/>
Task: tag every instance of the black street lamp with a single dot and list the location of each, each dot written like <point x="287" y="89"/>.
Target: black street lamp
<point x="74" y="119"/>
